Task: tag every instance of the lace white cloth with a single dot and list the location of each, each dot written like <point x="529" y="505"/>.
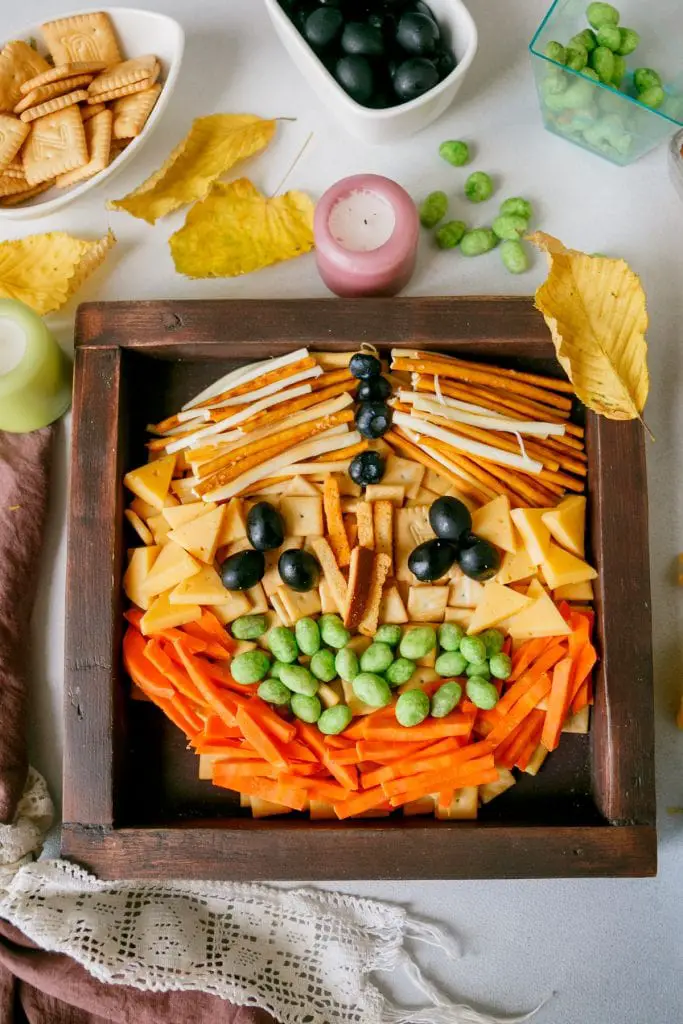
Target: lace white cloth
<point x="305" y="956"/>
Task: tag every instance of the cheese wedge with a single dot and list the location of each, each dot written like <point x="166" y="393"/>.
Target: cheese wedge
<point x="145" y="511"/>
<point x="427" y="604"/>
<point x="181" y="514"/>
<point x="237" y="604"/>
<point x="160" y="529"/>
<point x="172" y="566"/>
<point x="200" y="536"/>
<point x="392" y="610"/>
<point x="139" y="568"/>
<point x="163" y="615"/>
<point x="403" y="473"/>
<point x="143" y="532"/>
<point x="498" y="603"/>
<point x="300" y="487"/>
<point x="463" y="806"/>
<point x="205" y="587"/>
<point x="574" y="592"/>
<point x="560" y="567"/>
<point x="491" y="790"/>
<point x="465" y="593"/>
<point x="517" y="566"/>
<point x="535" y="534"/>
<point x="540" y="618"/>
<point x="567" y="524"/>
<point x="535" y="589"/>
<point x="461" y="616"/>
<point x="492" y="522"/>
<point x="151" y="482"/>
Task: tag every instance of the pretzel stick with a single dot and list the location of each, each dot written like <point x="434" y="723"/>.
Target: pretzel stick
<point x="523" y="490"/>
<point x="489" y="480"/>
<point x="271" y="416"/>
<point x="500" y="371"/>
<point x="345" y="453"/>
<point x="326" y="380"/>
<point x="396" y="440"/>
<point x="569" y="483"/>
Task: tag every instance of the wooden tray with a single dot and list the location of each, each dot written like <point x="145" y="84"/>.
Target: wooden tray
<point x="133" y="805"/>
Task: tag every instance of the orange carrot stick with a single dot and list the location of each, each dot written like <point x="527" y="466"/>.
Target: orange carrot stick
<point x="317" y="789"/>
<point x="176" y="715"/>
<point x="558" y="703"/>
<point x="253" y="731"/>
<point x="526" y="656"/>
<point x="385" y="753"/>
<point x="524" y="706"/>
<point x="454" y="724"/>
<point x="267" y="789"/>
<point x="401" y="785"/>
<point x="140" y="670"/>
<point x="477" y="773"/>
<point x="546" y="661"/>
<point x="155" y="653"/>
<point x="445" y="799"/>
<point x="530" y="729"/>
<point x="346" y="775"/>
<point x="197" y="673"/>
<point x="368" y="800"/>
<point x="283" y="731"/>
<point x="350" y="756"/>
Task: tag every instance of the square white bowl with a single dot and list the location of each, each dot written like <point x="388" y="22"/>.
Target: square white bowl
<point x="382" y="126"/>
<point x="139" y="32"/>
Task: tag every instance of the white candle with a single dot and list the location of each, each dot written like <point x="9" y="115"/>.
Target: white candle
<point x="12" y="344"/>
<point x="362" y="221"/>
<point x="35" y="375"/>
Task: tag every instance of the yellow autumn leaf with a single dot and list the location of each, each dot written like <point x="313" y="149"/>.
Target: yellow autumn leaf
<point x="44" y="271"/>
<point x="213" y="145"/>
<point x="237" y="230"/>
<point x="595" y="310"/>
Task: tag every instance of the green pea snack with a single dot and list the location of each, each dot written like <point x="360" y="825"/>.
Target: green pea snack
<point x="493" y="641"/>
<point x="602" y="14"/>
<point x="299" y="680"/>
<point x="629" y="42"/>
<point x="609" y="36"/>
<point x="653" y="97"/>
<point x="307" y="636"/>
<point x="446" y="699"/>
<point x="346" y="664"/>
<point x="372" y="690"/>
<point x="477" y="242"/>
<point x="450" y="663"/>
<point x="587" y="39"/>
<point x="577" y="57"/>
<point x="283" y="645"/>
<point x="333" y="632"/>
<point x="334" y="720"/>
<point x="602" y="61"/>
<point x="388" y="635"/>
<point x="645" y="78"/>
<point x="500" y="666"/>
<point x="400" y="672"/>
<point x="450" y="636"/>
<point x="449" y="236"/>
<point x="274" y="692"/>
<point x="412" y="708"/>
<point x="482" y="693"/>
<point x="590" y="73"/>
<point x="308" y="709"/>
<point x="619" y="71"/>
<point x="517" y="206"/>
<point x="478" y="668"/>
<point x="249" y="627"/>
<point x="249" y="668"/>
<point x="514" y="257"/>
<point x="275" y="669"/>
<point x="455" y="152"/>
<point x="473" y="649"/>
<point x="556" y="51"/>
<point x="478" y="187"/>
<point x="323" y="666"/>
<point x="433" y="209"/>
<point x="417" y="643"/>
<point x="510" y="226"/>
<point x="377" y="658"/>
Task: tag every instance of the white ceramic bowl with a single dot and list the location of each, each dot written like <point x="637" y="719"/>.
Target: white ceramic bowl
<point x="382" y="126"/>
<point x="139" y="32"/>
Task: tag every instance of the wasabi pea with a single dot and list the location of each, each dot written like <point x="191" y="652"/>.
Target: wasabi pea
<point x="307" y="636"/>
<point x="323" y="666"/>
<point x="514" y="257"/>
<point x="433" y="209"/>
<point x="333" y="632"/>
<point x="478" y="187"/>
<point x="473" y="649"/>
<point x="388" y="634"/>
<point x="335" y="720"/>
<point x="500" y="666"/>
<point x="477" y="242"/>
<point x="510" y="227"/>
<point x="400" y="672"/>
<point x="577" y="57"/>
<point x="273" y="691"/>
<point x="299" y="680"/>
<point x="609" y="36"/>
<point x="619" y="71"/>
<point x="412" y="708"/>
<point x="602" y="14"/>
<point x="517" y="206"/>
<point x="450" y="636"/>
<point x="493" y="641"/>
<point x="372" y="690"/>
<point x="591" y="73"/>
<point x="376" y="658"/>
<point x="308" y="709"/>
<point x="455" y="152"/>
<point x="646" y="78"/>
<point x="653" y="97"/>
<point x="249" y="627"/>
<point x="275" y="669"/>
<point x="629" y="42"/>
<point x="482" y="693"/>
<point x="578" y="95"/>
<point x="282" y="643"/>
<point x="449" y="236"/>
<point x="346" y="664"/>
<point x="587" y="39"/>
<point x="451" y="663"/>
<point x="478" y="668"/>
<point x="249" y="668"/>
<point x="602" y="61"/>
<point x="446" y="698"/>
<point x="556" y="51"/>
<point x="555" y="84"/>
<point x="417" y="643"/>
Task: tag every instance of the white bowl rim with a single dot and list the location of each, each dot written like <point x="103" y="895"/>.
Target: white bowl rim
<point x="388" y="113"/>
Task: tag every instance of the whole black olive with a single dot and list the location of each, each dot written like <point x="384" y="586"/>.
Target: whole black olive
<point x="361" y="38"/>
<point x="373" y="419"/>
<point x="418" y="34"/>
<point x="478" y="559"/>
<point x="354" y="74"/>
<point x="415" y="77"/>
<point x="363" y="366"/>
<point x="243" y="570"/>
<point x="322" y="27"/>
<point x="299" y="569"/>
<point x="421" y="7"/>
<point x="450" y="519"/>
<point x="432" y="560"/>
<point x="385" y="22"/>
<point x="375" y="389"/>
<point x="444" y="62"/>
<point x="367" y="468"/>
<point x="301" y="13"/>
<point x="265" y="527"/>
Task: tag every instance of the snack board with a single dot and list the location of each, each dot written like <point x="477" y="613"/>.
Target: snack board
<point x="364" y="581"/>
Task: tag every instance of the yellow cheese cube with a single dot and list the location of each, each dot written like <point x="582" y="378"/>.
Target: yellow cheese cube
<point x="172" y="566"/>
<point x="200" y="536"/>
<point x="234" y="523"/>
<point x="139" y="568"/>
<point x="515" y="567"/>
<point x="574" y="592"/>
<point x="464" y="805"/>
<point x="535" y="534"/>
<point x="491" y="790"/>
<point x="423" y="805"/>
<point x="540" y="618"/>
<point x="205" y="587"/>
<point x="492" y="522"/>
<point x="237" y="604"/>
<point x="560" y="567"/>
<point x="498" y="603"/>
<point x="300" y="487"/>
<point x="163" y="615"/>
<point x="567" y="524"/>
<point x="151" y="482"/>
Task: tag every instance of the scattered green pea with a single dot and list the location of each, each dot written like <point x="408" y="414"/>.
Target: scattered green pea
<point x="323" y="666"/>
<point x="482" y="693"/>
<point x="510" y="226"/>
<point x="307" y="636"/>
<point x="514" y="257"/>
<point x="556" y="51"/>
<point x="577" y="57"/>
<point x="586" y="38"/>
<point x="282" y="643"/>
<point x="645" y="78"/>
<point x="493" y="641"/>
<point x="455" y="152"/>
<point x="653" y="97"/>
<point x="308" y="709"/>
<point x="591" y="73"/>
<point x="449" y="236"/>
<point x="451" y="663"/>
<point x="249" y="627"/>
<point x="477" y="242"/>
<point x="501" y="666"/>
<point x="473" y="649"/>
<point x="602" y="62"/>
<point x="346" y="664"/>
<point x="388" y="634"/>
<point x="299" y="679"/>
<point x="376" y="658"/>
<point x="599" y="14"/>
<point x="619" y="71"/>
<point x="417" y="643"/>
<point x="335" y="720"/>
<point x="412" y="708"/>
<point x="446" y="698"/>
<point x="478" y="187"/>
<point x="629" y="43"/>
<point x="273" y="691"/>
<point x="400" y="672"/>
<point x="450" y="636"/>
<point x="275" y="669"/>
<point x="478" y="668"/>
<point x="333" y="632"/>
<point x="250" y="667"/>
<point x="433" y="209"/>
<point x="372" y="690"/>
<point x="517" y="206"/>
<point x="609" y="36"/>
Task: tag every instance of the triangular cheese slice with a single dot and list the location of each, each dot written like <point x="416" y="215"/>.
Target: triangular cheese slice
<point x="139" y="568"/>
<point x="465" y="592"/>
<point x="461" y="616"/>
<point x="560" y="568"/>
<point x="151" y="482"/>
<point x="516" y="567"/>
<point x="498" y="603"/>
<point x="204" y="587"/>
<point x="139" y="526"/>
<point x="541" y="618"/>
<point x="574" y="592"/>
<point x="392" y="610"/>
<point x="300" y="487"/>
<point x="493" y="523"/>
<point x="234" y="523"/>
<point x="535" y="534"/>
<point x="181" y="514"/>
<point x="237" y="604"/>
<point x="160" y="529"/>
<point x="163" y="615"/>
<point x="172" y="566"/>
<point x="145" y="511"/>
<point x="200" y="535"/>
<point x="567" y="524"/>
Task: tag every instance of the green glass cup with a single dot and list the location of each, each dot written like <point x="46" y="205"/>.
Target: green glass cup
<point x="35" y="374"/>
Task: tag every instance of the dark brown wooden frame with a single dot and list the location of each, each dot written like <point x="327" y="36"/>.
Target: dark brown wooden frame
<point x="622" y="841"/>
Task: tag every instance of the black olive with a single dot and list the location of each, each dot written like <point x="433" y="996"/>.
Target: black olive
<point x="421" y="7"/>
<point x="373" y="419"/>
<point x="414" y="78"/>
<point x="432" y="560"/>
<point x="375" y="389"/>
<point x="367" y="468"/>
<point x="418" y="34"/>
<point x="243" y="570"/>
<point x="363" y="39"/>
<point x="301" y="14"/>
<point x="354" y="74"/>
<point x="478" y="559"/>
<point x="299" y="569"/>
<point x="363" y="366"/>
<point x="322" y="27"/>
<point x="265" y="528"/>
<point x="450" y="519"/>
<point x="444" y="62"/>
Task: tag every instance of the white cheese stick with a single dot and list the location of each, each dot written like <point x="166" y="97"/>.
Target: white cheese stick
<point x="451" y="409"/>
<point x="243" y="374"/>
<point x="464" y="444"/>
<point x="268" y="389"/>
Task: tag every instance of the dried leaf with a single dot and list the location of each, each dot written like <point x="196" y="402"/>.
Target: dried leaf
<point x="237" y="230"/>
<point x="44" y="271"/>
<point x="595" y="310"/>
<point x="214" y="145"/>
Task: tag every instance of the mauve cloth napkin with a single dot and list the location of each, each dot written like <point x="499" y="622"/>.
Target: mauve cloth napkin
<point x="35" y="986"/>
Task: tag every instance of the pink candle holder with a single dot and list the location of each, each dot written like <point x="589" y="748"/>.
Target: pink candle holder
<point x="366" y="231"/>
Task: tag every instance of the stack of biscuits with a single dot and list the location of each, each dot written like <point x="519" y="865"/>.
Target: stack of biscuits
<point x="65" y="117"/>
